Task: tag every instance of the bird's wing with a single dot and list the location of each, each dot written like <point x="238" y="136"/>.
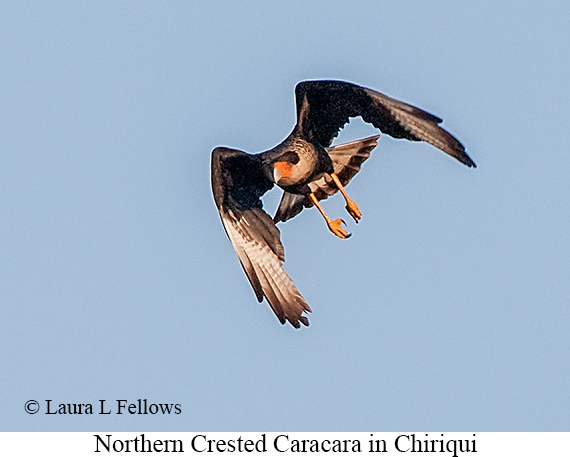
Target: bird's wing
<point x="237" y="184"/>
<point x="324" y="107"/>
<point x="347" y="159"/>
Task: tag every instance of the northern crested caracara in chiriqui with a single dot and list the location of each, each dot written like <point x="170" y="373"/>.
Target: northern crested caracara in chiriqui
<point x="308" y="170"/>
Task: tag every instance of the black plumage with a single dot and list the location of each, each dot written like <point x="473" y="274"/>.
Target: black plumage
<point x="308" y="169"/>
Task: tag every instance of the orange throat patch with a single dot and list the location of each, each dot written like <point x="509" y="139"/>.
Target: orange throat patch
<point x="283" y="170"/>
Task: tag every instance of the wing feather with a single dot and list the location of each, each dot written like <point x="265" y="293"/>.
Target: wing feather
<point x="254" y="236"/>
<point x="324" y="107"/>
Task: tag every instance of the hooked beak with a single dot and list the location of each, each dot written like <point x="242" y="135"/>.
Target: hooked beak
<point x="281" y="170"/>
<point x="276" y="175"/>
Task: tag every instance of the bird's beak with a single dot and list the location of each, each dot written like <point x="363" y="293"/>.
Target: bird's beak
<point x="281" y="170"/>
<point x="276" y="175"/>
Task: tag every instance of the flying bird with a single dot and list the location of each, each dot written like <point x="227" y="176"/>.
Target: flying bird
<point x="308" y="170"/>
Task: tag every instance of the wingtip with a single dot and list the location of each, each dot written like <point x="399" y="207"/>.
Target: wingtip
<point x="469" y="162"/>
<point x="295" y="322"/>
<point x="302" y="320"/>
<point x="460" y="154"/>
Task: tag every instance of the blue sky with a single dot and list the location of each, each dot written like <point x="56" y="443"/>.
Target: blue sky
<point x="447" y="309"/>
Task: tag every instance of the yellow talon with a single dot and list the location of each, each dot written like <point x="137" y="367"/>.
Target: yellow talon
<point x="353" y="210"/>
<point x="351" y="207"/>
<point x="334" y="226"/>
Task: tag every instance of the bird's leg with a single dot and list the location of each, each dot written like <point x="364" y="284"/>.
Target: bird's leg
<point x="351" y="207"/>
<point x="334" y="226"/>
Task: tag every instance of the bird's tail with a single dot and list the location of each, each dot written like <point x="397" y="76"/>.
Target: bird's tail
<point x="347" y="158"/>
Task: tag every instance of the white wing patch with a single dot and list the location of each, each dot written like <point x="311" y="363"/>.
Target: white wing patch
<point x="263" y="266"/>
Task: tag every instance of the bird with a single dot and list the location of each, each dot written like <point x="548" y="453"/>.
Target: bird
<point x="308" y="169"/>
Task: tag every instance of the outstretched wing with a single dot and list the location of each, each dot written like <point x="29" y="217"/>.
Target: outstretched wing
<point x="324" y="107"/>
<point x="347" y="159"/>
<point x="238" y="182"/>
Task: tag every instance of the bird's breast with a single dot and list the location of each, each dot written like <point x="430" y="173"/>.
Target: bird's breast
<point x="305" y="167"/>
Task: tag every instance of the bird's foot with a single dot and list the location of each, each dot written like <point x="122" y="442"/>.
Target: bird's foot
<point x="353" y="210"/>
<point x="334" y="226"/>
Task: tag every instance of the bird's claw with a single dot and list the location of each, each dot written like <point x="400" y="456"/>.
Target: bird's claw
<point x="353" y="210"/>
<point x="334" y="226"/>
